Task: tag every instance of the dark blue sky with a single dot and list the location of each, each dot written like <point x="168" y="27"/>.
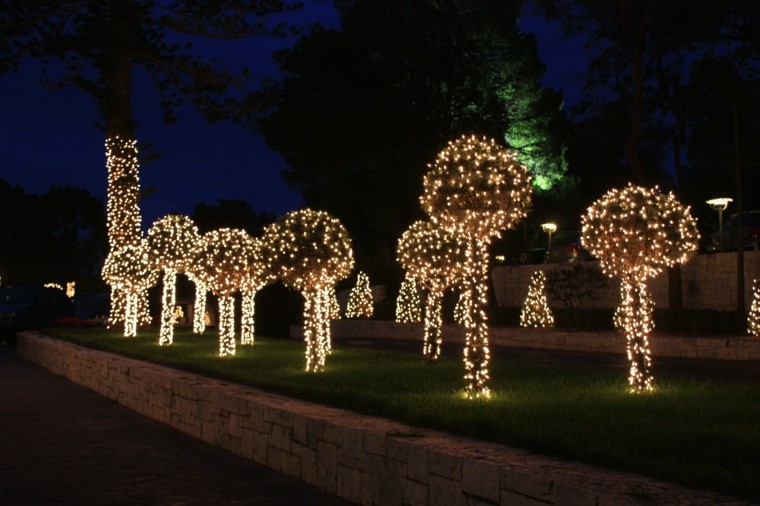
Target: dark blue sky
<point x="50" y="138"/>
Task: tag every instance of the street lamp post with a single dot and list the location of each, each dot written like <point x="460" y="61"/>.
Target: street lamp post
<point x="549" y="228"/>
<point x="720" y="204"/>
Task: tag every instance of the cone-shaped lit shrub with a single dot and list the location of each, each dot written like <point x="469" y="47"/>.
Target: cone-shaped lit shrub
<point x="129" y="270"/>
<point x="535" y="310"/>
<point x="434" y="258"/>
<point x="310" y="252"/>
<point x="408" y="303"/>
<point x="172" y="244"/>
<point x="224" y="257"/>
<point x="476" y="189"/>
<point x="636" y="233"/>
<point x="753" y="319"/>
<point x="360" y="304"/>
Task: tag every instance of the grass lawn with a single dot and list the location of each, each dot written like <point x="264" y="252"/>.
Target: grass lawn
<point x="697" y="433"/>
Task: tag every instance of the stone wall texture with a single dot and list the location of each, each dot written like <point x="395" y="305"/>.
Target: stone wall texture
<point x="366" y="460"/>
<point x="708" y="282"/>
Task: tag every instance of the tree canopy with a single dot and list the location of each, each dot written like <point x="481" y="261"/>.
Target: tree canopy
<point x="362" y="110"/>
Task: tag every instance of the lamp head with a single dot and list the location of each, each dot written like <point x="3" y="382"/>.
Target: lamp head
<point x="719" y="203"/>
<point x="549" y="227"/>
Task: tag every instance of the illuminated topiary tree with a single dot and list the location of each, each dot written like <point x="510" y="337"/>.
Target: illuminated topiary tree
<point x="360" y="299"/>
<point x="129" y="270"/>
<point x="434" y="259"/>
<point x="636" y="233"/>
<point x="408" y="304"/>
<point x="255" y="277"/>
<point x="224" y="256"/>
<point x="476" y="189"/>
<point x="172" y="244"/>
<point x="753" y="319"/>
<point x="535" y="311"/>
<point x="311" y="251"/>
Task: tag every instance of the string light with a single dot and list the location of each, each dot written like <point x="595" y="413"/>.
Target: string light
<point x="460" y="308"/>
<point x="310" y="252"/>
<point x="476" y="189"/>
<point x="535" y="310"/>
<point x="199" y="304"/>
<point x="636" y="233"/>
<point x="753" y="319"/>
<point x="433" y="258"/>
<point x="255" y="277"/>
<point x="123" y="215"/>
<point x="360" y="298"/>
<point x="129" y="270"/>
<point x="222" y="262"/>
<point x="71" y="289"/>
<point x="172" y="244"/>
<point x="408" y="303"/>
<point x="334" y="306"/>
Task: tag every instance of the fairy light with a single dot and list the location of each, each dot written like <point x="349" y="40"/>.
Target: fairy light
<point x="53" y="285"/>
<point x="310" y="251"/>
<point x="222" y="261"/>
<point x="360" y="298"/>
<point x="476" y="189"/>
<point x="460" y="308"/>
<point x="123" y="214"/>
<point x="334" y="305"/>
<point x="636" y="233"/>
<point x="172" y="243"/>
<point x="129" y="270"/>
<point x="199" y="304"/>
<point x="753" y="318"/>
<point x="408" y="304"/>
<point x="71" y="289"/>
<point x="256" y="276"/>
<point x="535" y="310"/>
<point x="433" y="258"/>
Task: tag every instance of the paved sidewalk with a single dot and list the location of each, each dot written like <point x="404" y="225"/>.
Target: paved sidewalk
<point x="63" y="444"/>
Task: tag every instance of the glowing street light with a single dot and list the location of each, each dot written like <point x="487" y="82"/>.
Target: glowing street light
<point x="720" y="204"/>
<point x="549" y="228"/>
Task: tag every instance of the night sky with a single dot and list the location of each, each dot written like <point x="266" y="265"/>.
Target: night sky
<point x="51" y="138"/>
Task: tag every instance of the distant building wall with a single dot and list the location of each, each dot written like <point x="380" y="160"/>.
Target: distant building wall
<point x="709" y="282"/>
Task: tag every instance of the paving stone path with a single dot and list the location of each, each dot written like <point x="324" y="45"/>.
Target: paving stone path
<point x="62" y="444"/>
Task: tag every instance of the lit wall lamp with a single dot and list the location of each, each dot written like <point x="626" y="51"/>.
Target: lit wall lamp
<point x="720" y="204"/>
<point x="549" y="228"/>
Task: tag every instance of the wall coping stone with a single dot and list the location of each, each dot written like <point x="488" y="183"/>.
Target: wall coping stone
<point x="663" y="345"/>
<point x="367" y="460"/>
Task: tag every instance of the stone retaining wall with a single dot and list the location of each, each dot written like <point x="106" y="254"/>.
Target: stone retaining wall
<point x="708" y="282"/>
<point x="721" y="348"/>
<point x="366" y="460"/>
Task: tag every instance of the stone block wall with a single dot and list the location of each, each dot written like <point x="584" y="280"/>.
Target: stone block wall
<point x="708" y="281"/>
<point x="366" y="460"/>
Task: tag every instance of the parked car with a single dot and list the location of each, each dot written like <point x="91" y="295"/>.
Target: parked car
<point x="750" y="231"/>
<point x="28" y="307"/>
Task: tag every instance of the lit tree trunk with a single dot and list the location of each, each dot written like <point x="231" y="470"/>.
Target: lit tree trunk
<point x="123" y="212"/>
<point x="634" y="318"/>
<point x="433" y="323"/>
<point x="315" y="322"/>
<point x="199" y="308"/>
<point x="168" y="300"/>
<point x="247" y="317"/>
<point x="130" y="313"/>
<point x="326" y="297"/>
<point x="476" y="352"/>
<point x="226" y="325"/>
